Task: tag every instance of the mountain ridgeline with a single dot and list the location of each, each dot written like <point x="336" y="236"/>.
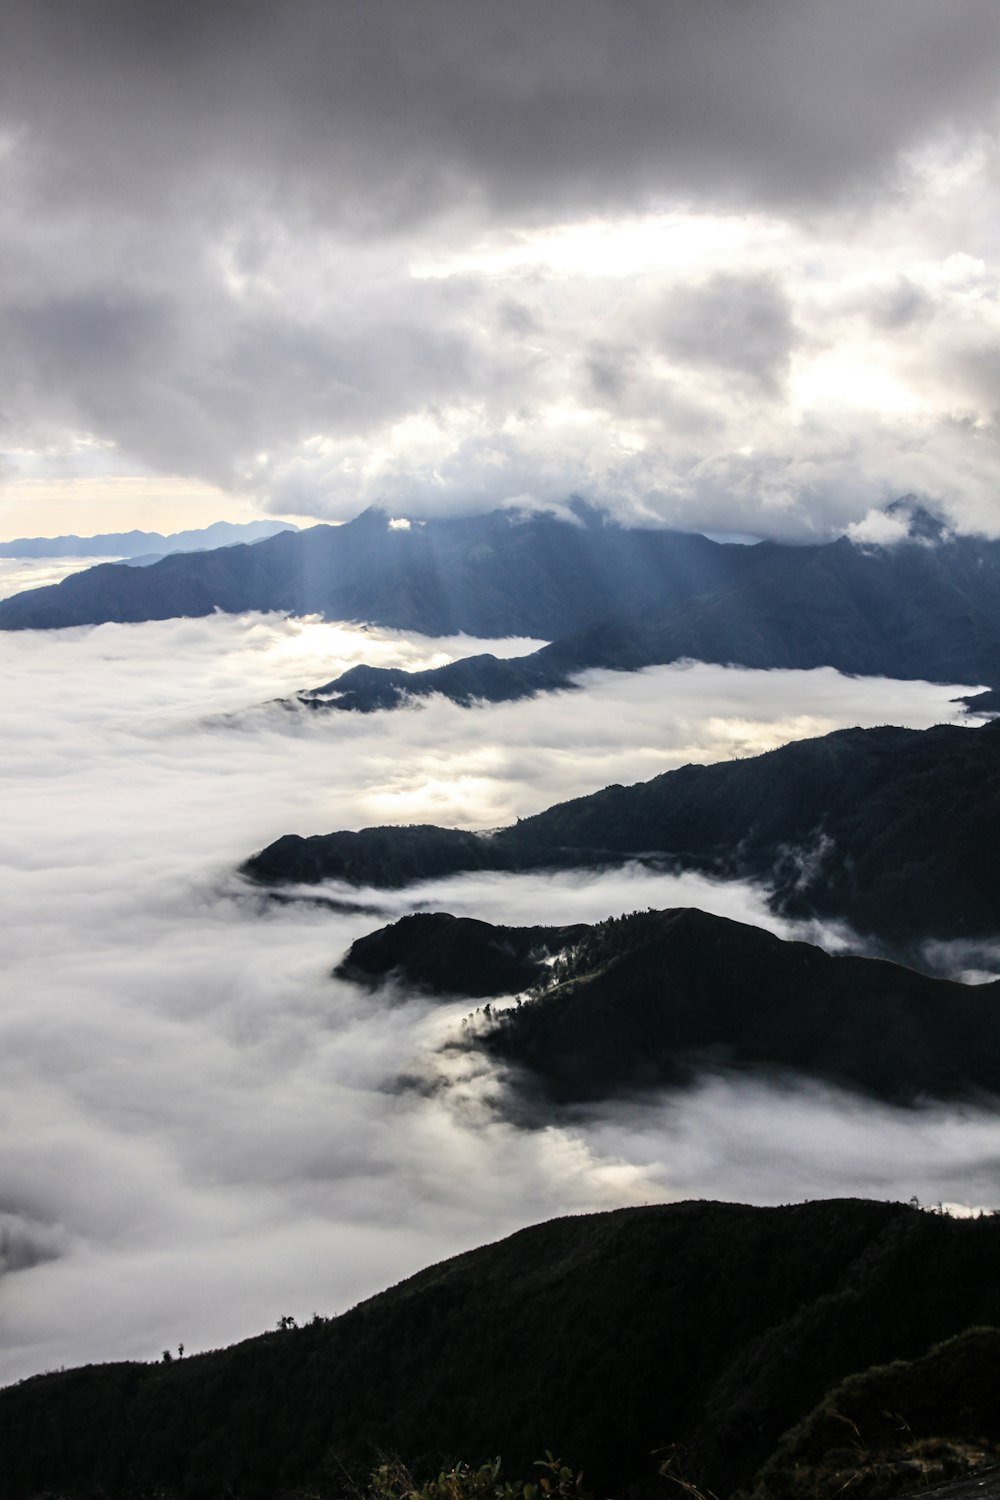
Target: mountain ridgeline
<point x="602" y="594"/>
<point x="894" y="831"/>
<point x="144" y="543"/>
<point x="607" y="1338"/>
<point x="446" y="955"/>
<point x="494" y="575"/>
<point x="914" y="610"/>
<point x="652" y="1000"/>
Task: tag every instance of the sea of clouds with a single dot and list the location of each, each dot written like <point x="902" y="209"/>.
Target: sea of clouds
<point x="20" y="573"/>
<point x="203" y="1130"/>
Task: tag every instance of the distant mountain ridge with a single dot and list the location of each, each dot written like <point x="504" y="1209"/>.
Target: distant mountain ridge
<point x="609" y="1338"/>
<point x="652" y="1000"/>
<point x="140" y="543"/>
<point x="603" y="595"/>
<point x="494" y="575"/>
<point x="912" y="610"/>
<point x="895" y="831"/>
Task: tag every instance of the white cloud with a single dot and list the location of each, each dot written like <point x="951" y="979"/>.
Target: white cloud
<point x="780" y="1142"/>
<point x="879" y="529"/>
<point x="475" y="279"/>
<point x="18" y="573"/>
<point x="199" y="1137"/>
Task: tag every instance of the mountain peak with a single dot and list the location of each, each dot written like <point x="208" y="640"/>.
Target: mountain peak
<point x="590" y="516"/>
<point x="923" y="524"/>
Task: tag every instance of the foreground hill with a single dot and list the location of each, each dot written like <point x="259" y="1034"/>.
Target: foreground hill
<point x="606" y="1338"/>
<point x="898" y="1425"/>
<point x="651" y="1000"/>
<point x="896" y="831"/>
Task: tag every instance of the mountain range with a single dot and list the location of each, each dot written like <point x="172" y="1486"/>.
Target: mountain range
<point x="603" y="595"/>
<point x="494" y="575"/>
<point x="722" y="1337"/>
<point x="927" y="607"/>
<point x="894" y="831"/>
<point x="144" y="544"/>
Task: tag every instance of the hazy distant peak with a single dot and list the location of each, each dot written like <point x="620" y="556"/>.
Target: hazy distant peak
<point x="591" y="516"/>
<point x="134" y="544"/>
<point x="735" y="538"/>
<point x="922" y="523"/>
<point x="371" y="515"/>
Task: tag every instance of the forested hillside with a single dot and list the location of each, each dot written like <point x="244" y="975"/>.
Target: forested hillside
<point x="895" y="831"/>
<point x="652" y="1000"/>
<point x="606" y="1338"/>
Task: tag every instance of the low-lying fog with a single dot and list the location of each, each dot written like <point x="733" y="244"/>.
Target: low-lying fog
<point x="200" y="1130"/>
<point x="19" y="573"/>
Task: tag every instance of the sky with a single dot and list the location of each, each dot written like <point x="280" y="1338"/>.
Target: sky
<point x="202" y="1127"/>
<point x="729" y="265"/>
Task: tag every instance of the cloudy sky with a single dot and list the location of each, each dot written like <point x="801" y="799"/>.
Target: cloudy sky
<point x="732" y="264"/>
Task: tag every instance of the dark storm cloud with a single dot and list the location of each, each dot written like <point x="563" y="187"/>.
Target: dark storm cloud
<point x="311" y="252"/>
<point x="609" y="368"/>
<point x="740" y="325"/>
<point x="381" y="114"/>
<point x="185" y="376"/>
<point x="900" y="306"/>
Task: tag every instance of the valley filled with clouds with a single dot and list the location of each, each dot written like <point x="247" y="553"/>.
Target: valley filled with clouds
<point x="206" y="1131"/>
<point x="20" y="573"/>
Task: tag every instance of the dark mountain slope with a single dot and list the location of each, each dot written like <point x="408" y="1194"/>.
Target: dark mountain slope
<point x="471" y="679"/>
<point x="383" y="857"/>
<point x="911" y="1419"/>
<point x="267" y="575"/>
<point x="914" y="610"/>
<point x="650" y="1000"/>
<point x="911" y="610"/>
<point x="603" y="1337"/>
<point x="896" y="831"/>
<point x="987" y="704"/>
<point x="495" y="575"/>
<point x="457" y="955"/>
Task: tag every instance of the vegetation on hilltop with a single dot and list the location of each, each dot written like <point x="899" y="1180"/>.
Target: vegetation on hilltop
<point x="608" y="1338"/>
<point x="653" y="999"/>
<point x="448" y="955"/>
<point x="895" y="1427"/>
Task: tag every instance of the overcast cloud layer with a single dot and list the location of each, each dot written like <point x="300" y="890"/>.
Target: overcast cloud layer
<point x="723" y="264"/>
<point x="200" y="1134"/>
